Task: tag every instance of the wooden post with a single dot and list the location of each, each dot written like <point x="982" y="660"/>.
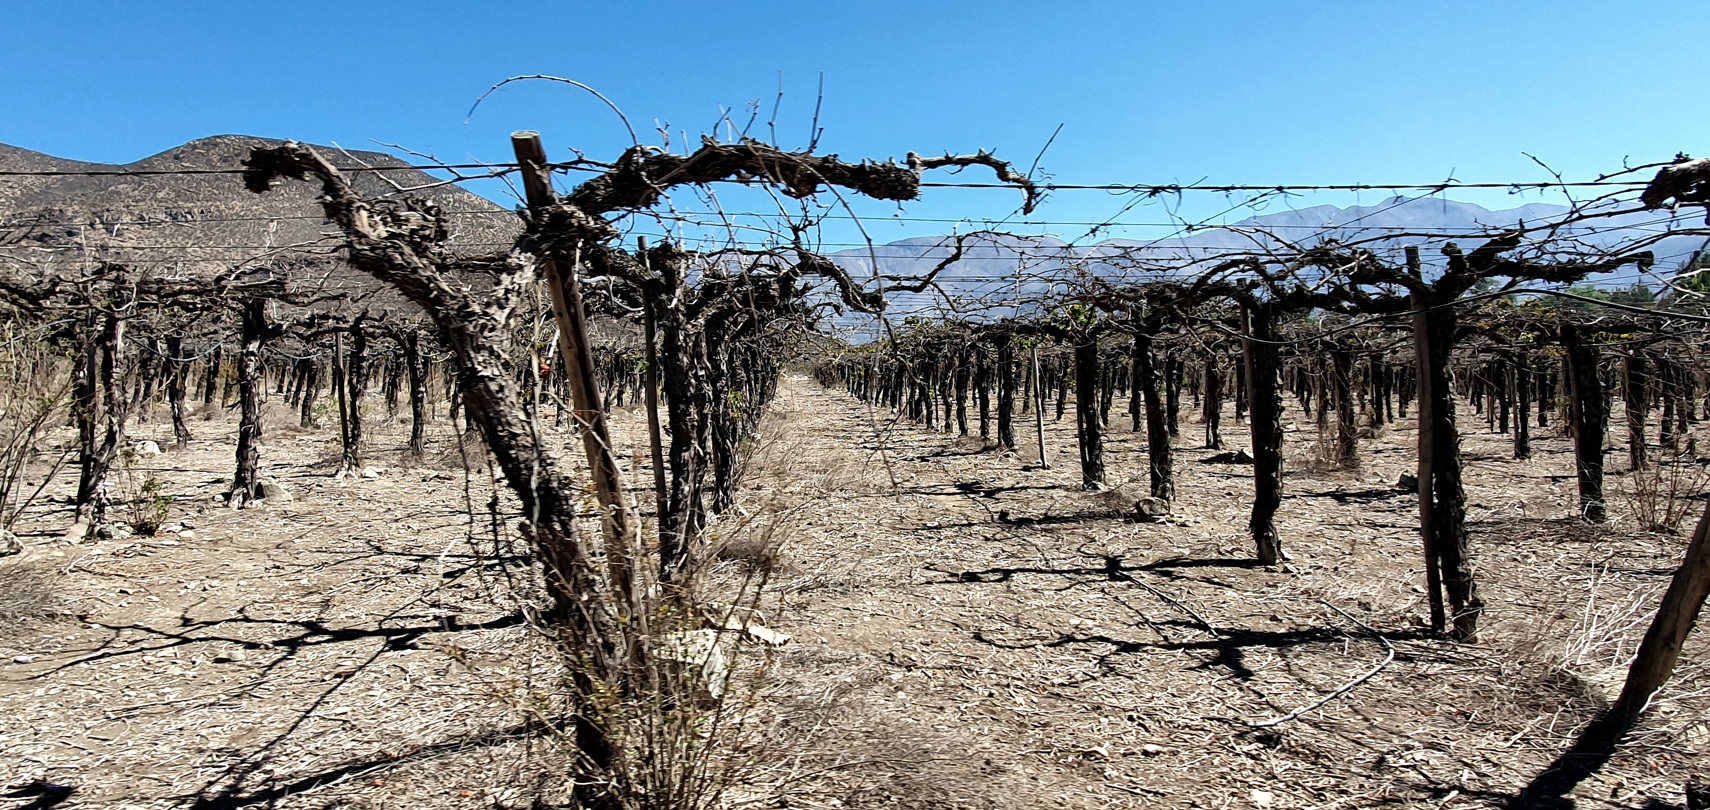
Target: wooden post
<point x="1427" y="449"/>
<point x="338" y="384"/>
<point x="650" y="378"/>
<point x="619" y="523"/>
<point x="1660" y="651"/>
<point x="1522" y="407"/>
<point x="1039" y="410"/>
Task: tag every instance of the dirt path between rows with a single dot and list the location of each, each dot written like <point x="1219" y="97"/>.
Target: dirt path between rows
<point x="968" y="631"/>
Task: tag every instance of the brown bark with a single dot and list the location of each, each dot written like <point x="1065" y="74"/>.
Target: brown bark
<point x="254" y="332"/>
<point x="310" y="388"/>
<point x="211" y="377"/>
<point x="102" y="410"/>
<point x="1264" y="405"/>
<point x="1660" y="651"/>
<point x="1347" y="427"/>
<point x="1587" y="412"/>
<point x="355" y="388"/>
<point x="1636" y="391"/>
<point x="1089" y="431"/>
<point x="983" y="393"/>
<point x="1006" y="393"/>
<point x="1522" y="409"/>
<point x="415" y="368"/>
<point x="1448" y="493"/>
<point x="178" y="370"/>
<point x="1160" y="449"/>
<point x="1212" y="411"/>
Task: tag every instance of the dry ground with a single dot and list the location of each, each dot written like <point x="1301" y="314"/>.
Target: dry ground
<point x="969" y="631"/>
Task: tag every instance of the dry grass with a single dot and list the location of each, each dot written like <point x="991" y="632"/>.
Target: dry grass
<point x="1665" y="495"/>
<point x="953" y="646"/>
<point x="834" y="749"/>
<point x="28" y="594"/>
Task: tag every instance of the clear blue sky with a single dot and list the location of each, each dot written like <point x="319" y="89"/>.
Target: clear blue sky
<point x="1233" y="92"/>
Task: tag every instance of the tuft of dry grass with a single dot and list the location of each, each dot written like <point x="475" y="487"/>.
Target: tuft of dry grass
<point x="756" y="551"/>
<point x="1665" y="494"/>
<point x="844" y="750"/>
<point x="27" y="593"/>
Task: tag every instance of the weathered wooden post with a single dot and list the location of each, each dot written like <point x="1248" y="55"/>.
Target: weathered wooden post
<point x="1039" y="411"/>
<point x="619" y="518"/>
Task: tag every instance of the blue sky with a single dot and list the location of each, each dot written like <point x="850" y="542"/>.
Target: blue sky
<point x="1233" y="92"/>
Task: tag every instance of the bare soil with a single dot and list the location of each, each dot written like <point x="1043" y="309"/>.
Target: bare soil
<point x="969" y="630"/>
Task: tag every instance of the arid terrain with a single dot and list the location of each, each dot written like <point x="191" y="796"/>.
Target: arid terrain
<point x="967" y="630"/>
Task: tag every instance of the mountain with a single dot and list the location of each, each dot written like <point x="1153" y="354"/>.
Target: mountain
<point x="998" y="272"/>
<point x="194" y="225"/>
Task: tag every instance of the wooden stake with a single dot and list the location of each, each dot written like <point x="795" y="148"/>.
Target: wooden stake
<point x="620" y="520"/>
<point x="1427" y="450"/>
<point x="1660" y="651"/>
<point x="650" y="378"/>
<point x="1039" y="411"/>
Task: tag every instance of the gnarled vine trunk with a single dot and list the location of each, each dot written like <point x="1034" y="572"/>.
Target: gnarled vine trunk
<point x="253" y="320"/>
<point x="1090" y="433"/>
<point x="1264" y="407"/>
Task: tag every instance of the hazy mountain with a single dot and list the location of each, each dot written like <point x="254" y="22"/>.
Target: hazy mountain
<point x="998" y="270"/>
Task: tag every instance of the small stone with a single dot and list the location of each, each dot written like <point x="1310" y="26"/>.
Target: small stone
<point x="1151" y="510"/>
<point x="1231" y="457"/>
<point x="9" y="543"/>
<point x="273" y="492"/>
<point x="147" y="448"/>
<point x="187" y="534"/>
<point x="1407" y="482"/>
<point x="1262" y="798"/>
<point x="23" y="659"/>
<point x="1151" y="749"/>
<point x="77" y="533"/>
<point x="230" y="656"/>
<point x="371" y="472"/>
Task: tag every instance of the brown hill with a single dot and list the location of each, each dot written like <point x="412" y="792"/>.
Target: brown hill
<point x="196" y="219"/>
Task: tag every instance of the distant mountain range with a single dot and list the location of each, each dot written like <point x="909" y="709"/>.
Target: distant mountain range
<point x="198" y="224"/>
<point x="996" y="269"/>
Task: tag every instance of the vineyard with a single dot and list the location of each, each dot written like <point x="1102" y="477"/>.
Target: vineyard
<point x="325" y="482"/>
